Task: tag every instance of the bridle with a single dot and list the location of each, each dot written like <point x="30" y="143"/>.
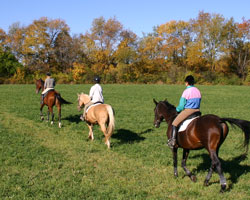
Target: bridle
<point x="159" y="119"/>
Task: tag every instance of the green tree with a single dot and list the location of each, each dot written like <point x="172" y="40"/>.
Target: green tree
<point x="8" y="64"/>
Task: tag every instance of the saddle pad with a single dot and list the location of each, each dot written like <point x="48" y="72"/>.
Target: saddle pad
<point x="185" y="124"/>
<point x="92" y="106"/>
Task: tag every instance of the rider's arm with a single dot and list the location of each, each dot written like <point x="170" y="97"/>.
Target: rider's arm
<point x="91" y="92"/>
<point x="45" y="84"/>
<point x="181" y="105"/>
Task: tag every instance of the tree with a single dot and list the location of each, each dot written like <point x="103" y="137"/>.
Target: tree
<point x="39" y="43"/>
<point x="8" y="64"/>
<point x="174" y="38"/>
<point x="208" y="30"/>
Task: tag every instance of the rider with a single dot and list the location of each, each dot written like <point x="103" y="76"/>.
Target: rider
<point x="95" y="95"/>
<point x="48" y="85"/>
<point x="189" y="104"/>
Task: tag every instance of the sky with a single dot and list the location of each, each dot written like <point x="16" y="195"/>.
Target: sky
<point x="138" y="16"/>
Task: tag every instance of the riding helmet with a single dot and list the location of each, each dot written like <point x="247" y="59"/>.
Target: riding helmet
<point x="48" y="74"/>
<point x="97" y="79"/>
<point x="189" y="79"/>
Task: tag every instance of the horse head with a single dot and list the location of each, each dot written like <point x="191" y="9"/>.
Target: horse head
<point x="82" y="99"/>
<point x="39" y="85"/>
<point x="158" y="115"/>
<point x="163" y="110"/>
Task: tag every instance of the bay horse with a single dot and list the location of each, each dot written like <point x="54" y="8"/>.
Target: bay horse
<point x="208" y="131"/>
<point x="51" y="99"/>
<point x="102" y="114"/>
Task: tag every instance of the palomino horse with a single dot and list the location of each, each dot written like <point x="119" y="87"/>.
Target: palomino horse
<point x="101" y="114"/>
<point x="51" y="99"/>
<point x="208" y="131"/>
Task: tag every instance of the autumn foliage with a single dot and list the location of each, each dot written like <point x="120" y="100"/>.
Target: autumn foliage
<point x="214" y="49"/>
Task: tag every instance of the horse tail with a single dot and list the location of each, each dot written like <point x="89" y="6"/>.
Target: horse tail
<point x="111" y="125"/>
<point x="244" y="125"/>
<point x="62" y="100"/>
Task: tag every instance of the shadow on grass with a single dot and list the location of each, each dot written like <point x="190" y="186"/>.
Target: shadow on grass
<point x="127" y="136"/>
<point x="73" y="118"/>
<point x="233" y="167"/>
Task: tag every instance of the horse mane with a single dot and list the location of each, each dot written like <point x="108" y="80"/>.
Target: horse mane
<point x="171" y="109"/>
<point x="82" y="94"/>
<point x="168" y="105"/>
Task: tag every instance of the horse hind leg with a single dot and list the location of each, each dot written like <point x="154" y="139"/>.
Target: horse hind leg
<point x="209" y="175"/>
<point x="41" y="112"/>
<point x="183" y="164"/>
<point x="59" y="116"/>
<point x="217" y="165"/>
<point x="107" y="137"/>
<point x="50" y="110"/>
<point x="91" y="134"/>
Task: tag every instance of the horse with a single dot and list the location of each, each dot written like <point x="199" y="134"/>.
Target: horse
<point x="102" y="114"/>
<point x="207" y="131"/>
<point x="51" y="99"/>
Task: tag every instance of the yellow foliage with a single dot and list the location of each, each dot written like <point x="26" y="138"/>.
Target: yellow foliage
<point x="19" y="76"/>
<point x="78" y="71"/>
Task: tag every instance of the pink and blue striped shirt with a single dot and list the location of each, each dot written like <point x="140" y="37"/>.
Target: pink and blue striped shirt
<point x="191" y="98"/>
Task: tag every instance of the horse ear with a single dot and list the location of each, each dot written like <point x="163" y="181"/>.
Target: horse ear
<point x="166" y="99"/>
<point x="155" y="102"/>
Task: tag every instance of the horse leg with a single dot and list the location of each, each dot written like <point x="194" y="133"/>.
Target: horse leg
<point x="59" y="116"/>
<point x="175" y="161"/>
<point x="50" y="110"/>
<point x="104" y="130"/>
<point x="48" y="115"/>
<point x="91" y="134"/>
<point x="52" y="114"/>
<point x="217" y="164"/>
<point x="41" y="111"/>
<point x="183" y="164"/>
<point x="209" y="175"/>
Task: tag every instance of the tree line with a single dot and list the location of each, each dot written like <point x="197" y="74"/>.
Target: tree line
<point x="210" y="47"/>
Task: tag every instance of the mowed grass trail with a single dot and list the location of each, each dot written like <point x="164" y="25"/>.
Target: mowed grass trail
<point x="40" y="161"/>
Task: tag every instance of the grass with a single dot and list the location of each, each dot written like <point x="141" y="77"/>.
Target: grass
<point x="41" y="161"/>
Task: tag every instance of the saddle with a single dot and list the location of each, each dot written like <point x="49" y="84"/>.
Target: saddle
<point x="188" y="120"/>
<point x="95" y="104"/>
<point x="45" y="94"/>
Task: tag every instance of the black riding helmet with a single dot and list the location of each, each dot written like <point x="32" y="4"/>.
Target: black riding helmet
<point x="97" y="79"/>
<point x="189" y="79"/>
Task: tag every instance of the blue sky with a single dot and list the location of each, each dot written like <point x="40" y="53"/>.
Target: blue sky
<point x="139" y="16"/>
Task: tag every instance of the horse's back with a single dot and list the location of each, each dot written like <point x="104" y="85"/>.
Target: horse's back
<point x="98" y="112"/>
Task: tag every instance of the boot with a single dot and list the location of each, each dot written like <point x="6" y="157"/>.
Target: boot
<point x="172" y="140"/>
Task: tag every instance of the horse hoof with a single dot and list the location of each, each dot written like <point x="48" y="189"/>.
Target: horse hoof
<point x="223" y="188"/>
<point x="60" y="125"/>
<point x="51" y="122"/>
<point x="42" y="118"/>
<point x="206" y="183"/>
<point x="193" y="178"/>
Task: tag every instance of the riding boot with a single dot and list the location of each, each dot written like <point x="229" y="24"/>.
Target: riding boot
<point x="172" y="140"/>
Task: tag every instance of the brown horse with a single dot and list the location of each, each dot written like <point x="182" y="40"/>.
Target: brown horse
<point x="101" y="114"/>
<point x="208" y="131"/>
<point x="51" y="99"/>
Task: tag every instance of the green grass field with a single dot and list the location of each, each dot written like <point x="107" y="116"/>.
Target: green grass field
<point x="41" y="161"/>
